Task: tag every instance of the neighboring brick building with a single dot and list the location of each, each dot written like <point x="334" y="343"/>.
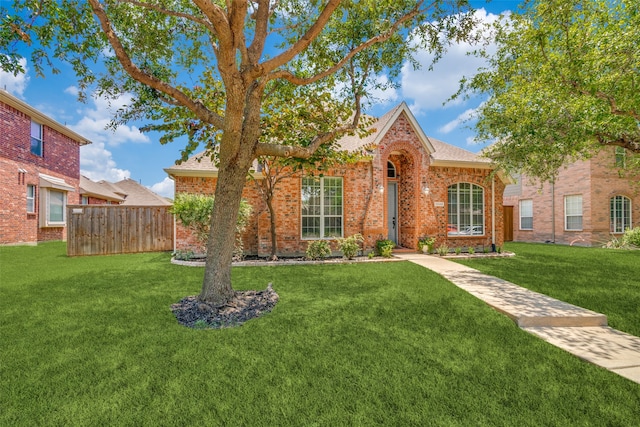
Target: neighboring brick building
<point x="39" y="173"/>
<point x="410" y="186"/>
<point x="588" y="203"/>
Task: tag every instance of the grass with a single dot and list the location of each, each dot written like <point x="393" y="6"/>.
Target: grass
<point x="92" y="341"/>
<point x="603" y="280"/>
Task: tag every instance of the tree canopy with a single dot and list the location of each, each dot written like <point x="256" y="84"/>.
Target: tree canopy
<point x="563" y="83"/>
<point x="244" y="78"/>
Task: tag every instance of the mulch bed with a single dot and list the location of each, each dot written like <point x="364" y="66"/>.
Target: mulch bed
<point x="246" y="305"/>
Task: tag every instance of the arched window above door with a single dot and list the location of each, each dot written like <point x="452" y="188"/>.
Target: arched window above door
<point x="391" y="170"/>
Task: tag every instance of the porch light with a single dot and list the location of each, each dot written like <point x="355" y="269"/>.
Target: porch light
<point x="426" y="190"/>
<point x="381" y="189"/>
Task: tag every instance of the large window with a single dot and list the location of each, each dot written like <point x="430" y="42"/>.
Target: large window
<point x="620" y="208"/>
<point x="321" y="207"/>
<point x="36" y="138"/>
<point x="466" y="209"/>
<point x="56" y="207"/>
<point x="573" y="213"/>
<point x="31" y="198"/>
<point x="526" y="214"/>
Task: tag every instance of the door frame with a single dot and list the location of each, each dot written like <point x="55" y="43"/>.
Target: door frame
<point x="393" y="232"/>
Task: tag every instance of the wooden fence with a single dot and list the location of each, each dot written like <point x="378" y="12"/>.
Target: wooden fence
<point x="116" y="229"/>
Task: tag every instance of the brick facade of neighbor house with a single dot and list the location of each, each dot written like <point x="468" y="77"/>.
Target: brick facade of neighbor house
<point x="56" y="171"/>
<point x="596" y="181"/>
<point x="419" y="162"/>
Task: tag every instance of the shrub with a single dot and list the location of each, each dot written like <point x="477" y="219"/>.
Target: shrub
<point x="458" y="250"/>
<point x="426" y="241"/>
<point x="442" y="250"/>
<point x="471" y="250"/>
<point x="385" y="247"/>
<point x="318" y="249"/>
<point x="183" y="255"/>
<point x="631" y="237"/>
<point x="194" y="212"/>
<point x="350" y="246"/>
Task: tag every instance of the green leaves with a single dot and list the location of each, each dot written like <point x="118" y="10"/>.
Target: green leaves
<point x="562" y="84"/>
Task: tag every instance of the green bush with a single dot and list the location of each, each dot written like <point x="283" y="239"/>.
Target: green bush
<point x="458" y="250"/>
<point x="350" y="246"/>
<point x="426" y="241"/>
<point x="442" y="250"/>
<point x="318" y="249"/>
<point x="471" y="250"/>
<point x="194" y="212"/>
<point x="385" y="247"/>
<point x="631" y="237"/>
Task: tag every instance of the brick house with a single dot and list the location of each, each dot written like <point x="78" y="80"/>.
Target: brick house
<point x="588" y="203"/>
<point x="409" y="186"/>
<point x="39" y="172"/>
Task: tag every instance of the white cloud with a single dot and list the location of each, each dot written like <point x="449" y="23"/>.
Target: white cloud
<point x="96" y="118"/>
<point x="430" y="89"/>
<point x="96" y="163"/>
<point x="72" y="90"/>
<point x="15" y="84"/>
<point x="164" y="188"/>
<point x="453" y="124"/>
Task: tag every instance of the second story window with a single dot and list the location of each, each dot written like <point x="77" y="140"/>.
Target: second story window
<point x="36" y="138"/>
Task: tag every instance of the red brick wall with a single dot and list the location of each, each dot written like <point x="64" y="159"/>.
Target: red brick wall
<point x="365" y="208"/>
<point x="597" y="181"/>
<point x="61" y="158"/>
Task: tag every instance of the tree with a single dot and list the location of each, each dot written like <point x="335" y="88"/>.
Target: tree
<point x="563" y="83"/>
<point x="206" y="68"/>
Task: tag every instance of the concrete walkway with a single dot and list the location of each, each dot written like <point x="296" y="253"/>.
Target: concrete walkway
<point x="579" y="331"/>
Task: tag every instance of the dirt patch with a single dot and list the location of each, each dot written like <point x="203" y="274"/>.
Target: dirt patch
<point x="246" y="305"/>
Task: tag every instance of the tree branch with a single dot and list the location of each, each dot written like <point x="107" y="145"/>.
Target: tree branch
<point x="136" y="73"/>
<point x="291" y="52"/>
<point x="172" y="13"/>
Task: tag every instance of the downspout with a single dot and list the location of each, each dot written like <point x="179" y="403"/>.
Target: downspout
<point x="493" y="213"/>
<point x="553" y="212"/>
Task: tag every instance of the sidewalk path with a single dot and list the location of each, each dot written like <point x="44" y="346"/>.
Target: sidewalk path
<point x="579" y="331"/>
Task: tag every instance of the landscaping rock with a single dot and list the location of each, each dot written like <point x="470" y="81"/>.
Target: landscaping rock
<point x="244" y="306"/>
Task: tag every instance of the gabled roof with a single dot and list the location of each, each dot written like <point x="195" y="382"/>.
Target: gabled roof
<point x="450" y="155"/>
<point x="139" y="195"/>
<point x="100" y="190"/>
<point x="197" y="165"/>
<point x="37" y="116"/>
<point x="441" y="153"/>
<point x="381" y="126"/>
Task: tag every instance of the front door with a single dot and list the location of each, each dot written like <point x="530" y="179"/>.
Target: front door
<point x="392" y="211"/>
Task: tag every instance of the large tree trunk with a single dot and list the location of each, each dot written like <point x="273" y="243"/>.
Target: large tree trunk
<point x="216" y="287"/>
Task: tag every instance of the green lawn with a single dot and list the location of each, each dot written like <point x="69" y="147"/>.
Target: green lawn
<point x="603" y="280"/>
<point x="92" y="341"/>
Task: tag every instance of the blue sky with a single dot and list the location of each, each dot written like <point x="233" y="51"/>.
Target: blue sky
<point x="127" y="153"/>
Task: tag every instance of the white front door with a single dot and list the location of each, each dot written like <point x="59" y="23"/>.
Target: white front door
<point x="392" y="211"/>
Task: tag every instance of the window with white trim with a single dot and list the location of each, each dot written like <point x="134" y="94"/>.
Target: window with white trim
<point x="466" y="209"/>
<point x="84" y="200"/>
<point x="53" y="206"/>
<point x="36" y="138"/>
<point x="322" y="207"/>
<point x="573" y="212"/>
<point x="620" y="208"/>
<point x="526" y="214"/>
<point x="31" y="198"/>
